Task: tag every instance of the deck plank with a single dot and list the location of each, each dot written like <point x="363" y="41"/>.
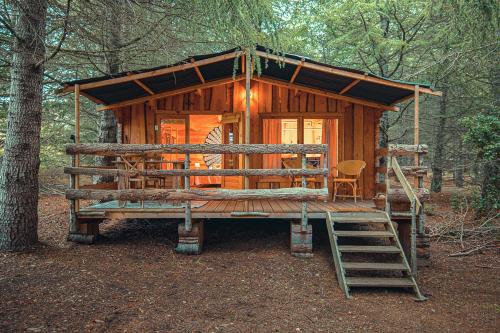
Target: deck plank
<point x="215" y="209"/>
<point x="266" y="206"/>
<point x="231" y="206"/>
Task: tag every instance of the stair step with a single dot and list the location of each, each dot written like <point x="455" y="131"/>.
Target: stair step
<point x="355" y="233"/>
<point x="401" y="214"/>
<point x="374" y="266"/>
<point x="368" y="249"/>
<point x="378" y="282"/>
<point x="361" y="220"/>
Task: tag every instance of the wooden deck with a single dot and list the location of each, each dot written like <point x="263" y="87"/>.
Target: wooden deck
<point x="227" y="209"/>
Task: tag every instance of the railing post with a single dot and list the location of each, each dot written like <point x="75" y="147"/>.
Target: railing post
<point x="187" y="186"/>
<point x="413" y="238"/>
<point x="72" y="203"/>
<point x="326" y="158"/>
<point x="388" y="184"/>
<point x="304" y="203"/>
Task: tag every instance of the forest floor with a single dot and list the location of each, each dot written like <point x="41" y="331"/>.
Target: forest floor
<point x="132" y="280"/>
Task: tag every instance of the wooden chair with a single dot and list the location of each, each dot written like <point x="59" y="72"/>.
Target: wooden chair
<point x="296" y="163"/>
<point x="132" y="164"/>
<point x="351" y="171"/>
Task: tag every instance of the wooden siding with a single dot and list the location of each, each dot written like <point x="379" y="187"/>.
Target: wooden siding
<point x="357" y="124"/>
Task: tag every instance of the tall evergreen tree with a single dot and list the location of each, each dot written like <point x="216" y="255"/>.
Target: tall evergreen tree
<point x="19" y="170"/>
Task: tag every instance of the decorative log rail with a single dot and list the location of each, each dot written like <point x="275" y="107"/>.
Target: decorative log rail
<point x="295" y="194"/>
<point x="411" y="171"/>
<point x="187" y="194"/>
<point x="94" y="171"/>
<point x="117" y="149"/>
<point x="407" y="150"/>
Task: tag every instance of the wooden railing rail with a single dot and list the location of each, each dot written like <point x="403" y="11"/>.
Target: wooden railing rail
<point x="116" y="149"/>
<point x="94" y="171"/>
<point x="293" y="193"/>
<point x="407" y="150"/>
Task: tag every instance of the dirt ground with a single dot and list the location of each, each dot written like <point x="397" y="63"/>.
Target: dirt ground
<point x="245" y="281"/>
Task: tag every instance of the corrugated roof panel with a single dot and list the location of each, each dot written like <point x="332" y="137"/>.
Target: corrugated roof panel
<point x="117" y="92"/>
<point x="322" y="80"/>
<point x="219" y="70"/>
<point x="378" y="93"/>
<point x="277" y="70"/>
<point x="171" y="81"/>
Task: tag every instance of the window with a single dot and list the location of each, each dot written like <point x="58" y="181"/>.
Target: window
<point x="289" y="131"/>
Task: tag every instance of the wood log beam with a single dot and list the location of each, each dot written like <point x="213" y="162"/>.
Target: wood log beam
<point x="411" y="171"/>
<point x="198" y="73"/>
<point x="195" y="172"/>
<point x="349" y="86"/>
<point x="92" y="98"/>
<point x="295" y="194"/>
<point x="407" y="150"/>
<point x="297" y="70"/>
<point x="144" y="87"/>
<point x="117" y="149"/>
<point x="399" y="195"/>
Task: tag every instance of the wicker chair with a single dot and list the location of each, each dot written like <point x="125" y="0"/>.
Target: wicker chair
<point x="350" y="171"/>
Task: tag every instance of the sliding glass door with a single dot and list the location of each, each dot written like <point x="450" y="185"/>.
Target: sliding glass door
<point x="300" y="130"/>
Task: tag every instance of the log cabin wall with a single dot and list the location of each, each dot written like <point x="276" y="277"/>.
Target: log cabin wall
<point x="357" y="124"/>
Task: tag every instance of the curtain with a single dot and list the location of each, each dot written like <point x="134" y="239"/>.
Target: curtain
<point x="332" y="142"/>
<point x="272" y="135"/>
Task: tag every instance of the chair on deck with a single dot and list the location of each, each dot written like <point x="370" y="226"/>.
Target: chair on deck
<point x="131" y="164"/>
<point x="296" y="163"/>
<point x="350" y="171"/>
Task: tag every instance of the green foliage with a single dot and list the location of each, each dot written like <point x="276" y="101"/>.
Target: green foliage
<point x="459" y="202"/>
<point x="483" y="132"/>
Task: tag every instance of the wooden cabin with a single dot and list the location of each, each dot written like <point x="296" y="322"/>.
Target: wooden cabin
<point x="217" y="136"/>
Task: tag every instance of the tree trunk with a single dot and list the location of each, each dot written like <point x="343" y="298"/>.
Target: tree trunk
<point x="21" y="160"/>
<point x="438" y="158"/>
<point x="458" y="170"/>
<point x="107" y="121"/>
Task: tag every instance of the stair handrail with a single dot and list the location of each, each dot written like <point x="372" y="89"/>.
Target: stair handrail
<point x="416" y="206"/>
<point x="410" y="193"/>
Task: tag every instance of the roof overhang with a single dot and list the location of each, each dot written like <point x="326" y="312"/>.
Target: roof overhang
<point x="205" y="71"/>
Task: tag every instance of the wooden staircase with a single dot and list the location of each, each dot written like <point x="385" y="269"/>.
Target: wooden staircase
<point x="355" y="262"/>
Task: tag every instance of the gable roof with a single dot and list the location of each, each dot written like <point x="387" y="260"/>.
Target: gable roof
<point x="133" y="86"/>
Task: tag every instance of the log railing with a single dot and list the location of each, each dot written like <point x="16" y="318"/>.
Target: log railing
<point x="415" y="197"/>
<point x="187" y="194"/>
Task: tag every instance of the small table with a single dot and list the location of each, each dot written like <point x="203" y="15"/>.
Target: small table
<point x="176" y="164"/>
<point x="273" y="181"/>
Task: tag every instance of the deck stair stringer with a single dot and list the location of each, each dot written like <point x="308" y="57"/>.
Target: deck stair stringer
<point x="375" y="227"/>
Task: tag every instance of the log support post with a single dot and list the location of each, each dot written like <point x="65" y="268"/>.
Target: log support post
<point x="84" y="230"/>
<point x="300" y="240"/>
<point x="304" y="203"/>
<point x="247" y="118"/>
<point x="187" y="186"/>
<point x="80" y="230"/>
<point x="191" y="241"/>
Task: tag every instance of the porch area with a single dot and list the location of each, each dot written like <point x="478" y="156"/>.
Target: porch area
<point x="275" y="209"/>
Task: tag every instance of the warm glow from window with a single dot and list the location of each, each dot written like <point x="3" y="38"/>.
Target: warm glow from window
<point x="289" y="131"/>
<point x="313" y="133"/>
